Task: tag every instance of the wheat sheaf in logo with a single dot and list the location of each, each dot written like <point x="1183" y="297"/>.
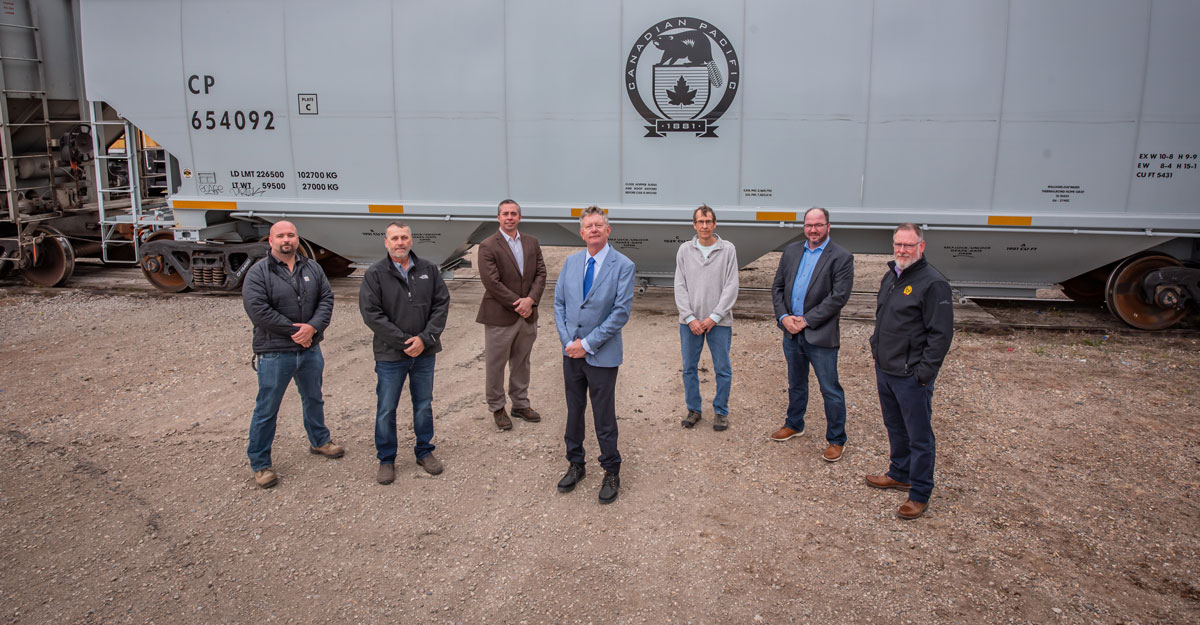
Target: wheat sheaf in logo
<point x="691" y="72"/>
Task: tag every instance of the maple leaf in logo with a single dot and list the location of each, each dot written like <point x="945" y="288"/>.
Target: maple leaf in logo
<point x="681" y="95"/>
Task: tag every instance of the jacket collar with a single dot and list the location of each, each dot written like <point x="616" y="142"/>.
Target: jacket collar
<point x="391" y="264"/>
<point x="912" y="269"/>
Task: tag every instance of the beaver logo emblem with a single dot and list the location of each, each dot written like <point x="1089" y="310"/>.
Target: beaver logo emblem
<point x="693" y="78"/>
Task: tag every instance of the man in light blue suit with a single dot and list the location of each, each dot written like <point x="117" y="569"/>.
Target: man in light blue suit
<point x="592" y="300"/>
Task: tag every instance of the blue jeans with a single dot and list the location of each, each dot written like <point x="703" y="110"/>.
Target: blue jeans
<point x="799" y="354"/>
<point x="419" y="372"/>
<point x="275" y="371"/>
<point x="907" y="409"/>
<point x="719" y="338"/>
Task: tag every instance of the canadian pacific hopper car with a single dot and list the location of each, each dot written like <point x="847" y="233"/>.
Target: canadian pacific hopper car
<point x="1040" y="142"/>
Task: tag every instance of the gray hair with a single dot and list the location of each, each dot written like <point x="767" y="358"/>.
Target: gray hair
<point x="592" y="210"/>
<point x="399" y="224"/>
<point x="910" y="226"/>
<point x="705" y="209"/>
<point x="509" y="201"/>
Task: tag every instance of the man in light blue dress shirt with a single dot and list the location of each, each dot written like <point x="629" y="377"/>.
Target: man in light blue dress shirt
<point x="811" y="286"/>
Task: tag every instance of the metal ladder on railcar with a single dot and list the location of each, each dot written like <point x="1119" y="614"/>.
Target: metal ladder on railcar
<point x="128" y="215"/>
<point x="15" y="195"/>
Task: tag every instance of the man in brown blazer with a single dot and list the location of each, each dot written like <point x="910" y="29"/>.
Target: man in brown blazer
<point x="514" y="276"/>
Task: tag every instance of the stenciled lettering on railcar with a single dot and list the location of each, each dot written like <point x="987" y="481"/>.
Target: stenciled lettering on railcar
<point x="681" y="76"/>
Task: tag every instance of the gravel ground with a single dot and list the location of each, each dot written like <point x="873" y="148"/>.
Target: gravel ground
<point x="1068" y="483"/>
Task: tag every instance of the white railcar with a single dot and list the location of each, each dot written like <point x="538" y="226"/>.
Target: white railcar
<point x="1040" y="142"/>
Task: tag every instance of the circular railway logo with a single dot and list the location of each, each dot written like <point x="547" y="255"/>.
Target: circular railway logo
<point x="681" y="76"/>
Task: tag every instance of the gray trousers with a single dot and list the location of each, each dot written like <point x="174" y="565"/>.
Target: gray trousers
<point x="512" y="346"/>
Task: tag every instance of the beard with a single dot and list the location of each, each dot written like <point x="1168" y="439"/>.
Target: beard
<point x="905" y="263"/>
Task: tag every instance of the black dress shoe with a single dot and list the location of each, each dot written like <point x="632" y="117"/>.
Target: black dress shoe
<point x="575" y="473"/>
<point x="610" y="487"/>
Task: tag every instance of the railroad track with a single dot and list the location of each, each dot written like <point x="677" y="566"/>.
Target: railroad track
<point x="992" y="317"/>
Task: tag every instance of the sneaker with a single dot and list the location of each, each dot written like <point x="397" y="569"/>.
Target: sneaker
<point x="833" y="453"/>
<point x="784" y="433"/>
<point x="432" y="465"/>
<point x="329" y="450"/>
<point x="502" y="421"/>
<point x="721" y="422"/>
<point x="527" y="414"/>
<point x="266" y="478"/>
<point x="692" y="418"/>
<point x="610" y="488"/>
<point x="386" y="474"/>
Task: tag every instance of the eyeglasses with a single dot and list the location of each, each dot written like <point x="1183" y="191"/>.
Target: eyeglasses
<point x="905" y="246"/>
<point x="704" y="222"/>
<point x="814" y="226"/>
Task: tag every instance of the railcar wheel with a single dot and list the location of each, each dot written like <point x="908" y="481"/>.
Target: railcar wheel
<point x="1123" y="293"/>
<point x="55" y="259"/>
<point x="154" y="269"/>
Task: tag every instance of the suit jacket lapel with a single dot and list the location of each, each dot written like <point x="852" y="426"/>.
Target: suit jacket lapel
<point x="791" y="278"/>
<point x="530" y="260"/>
<point x="508" y="253"/>
<point x="822" y="261"/>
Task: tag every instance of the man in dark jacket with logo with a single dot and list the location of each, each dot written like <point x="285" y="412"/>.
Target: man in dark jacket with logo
<point x="914" y="324"/>
<point x="405" y="303"/>
<point x="290" y="304"/>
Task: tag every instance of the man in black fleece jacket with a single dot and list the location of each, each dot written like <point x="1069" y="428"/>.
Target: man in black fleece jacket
<point x="404" y="301"/>
<point x="290" y="304"/>
<point x="914" y="324"/>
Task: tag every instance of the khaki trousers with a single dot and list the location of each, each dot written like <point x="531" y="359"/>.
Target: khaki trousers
<point x="511" y="345"/>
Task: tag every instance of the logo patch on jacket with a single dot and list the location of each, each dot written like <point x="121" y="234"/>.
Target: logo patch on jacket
<point x="306" y="278"/>
<point x="423" y="276"/>
<point x="908" y="290"/>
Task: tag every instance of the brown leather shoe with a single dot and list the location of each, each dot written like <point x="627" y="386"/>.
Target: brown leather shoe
<point x="833" y="453"/>
<point x="266" y="478"/>
<point x="784" y="433"/>
<point x="912" y="509"/>
<point x="502" y="420"/>
<point x="329" y="450"/>
<point x="432" y="465"/>
<point x="386" y="473"/>
<point x="883" y="481"/>
<point x="527" y="414"/>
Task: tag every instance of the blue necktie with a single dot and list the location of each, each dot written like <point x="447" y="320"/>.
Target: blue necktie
<point x="588" y="275"/>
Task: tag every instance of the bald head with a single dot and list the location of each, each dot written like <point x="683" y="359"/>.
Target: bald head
<point x="284" y="240"/>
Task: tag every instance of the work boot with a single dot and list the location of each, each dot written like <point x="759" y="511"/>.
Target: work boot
<point x="721" y="423"/>
<point x="502" y="421"/>
<point x="575" y="473"/>
<point x="266" y="478"/>
<point x="386" y="474"/>
<point x="432" y="465"/>
<point x="610" y="487"/>
<point x="527" y="414"/>
<point x="329" y="450"/>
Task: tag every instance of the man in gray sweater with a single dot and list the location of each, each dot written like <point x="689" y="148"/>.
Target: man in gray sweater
<point x="706" y="287"/>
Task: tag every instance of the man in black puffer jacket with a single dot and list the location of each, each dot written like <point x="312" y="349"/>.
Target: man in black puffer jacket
<point x="290" y="304"/>
<point x="914" y="324"/>
<point x="405" y="303"/>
